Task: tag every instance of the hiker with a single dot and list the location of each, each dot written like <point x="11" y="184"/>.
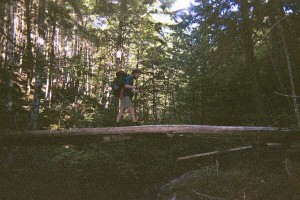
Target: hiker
<point x="126" y="97"/>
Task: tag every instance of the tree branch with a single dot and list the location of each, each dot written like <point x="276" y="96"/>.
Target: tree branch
<point x="206" y="196"/>
<point x="214" y="152"/>
<point x="285" y="95"/>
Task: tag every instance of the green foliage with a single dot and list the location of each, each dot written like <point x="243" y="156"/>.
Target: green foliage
<point x="144" y="166"/>
<point x="197" y="69"/>
<point x="208" y="47"/>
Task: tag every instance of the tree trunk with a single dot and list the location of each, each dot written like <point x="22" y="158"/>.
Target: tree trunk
<point x="10" y="53"/>
<point x="291" y="78"/>
<point x="95" y="135"/>
<point x="2" y="14"/>
<point x="52" y="64"/>
<point x="283" y="34"/>
<point x="39" y="65"/>
<point x="276" y="55"/>
<point x="19" y="27"/>
<point x="28" y="58"/>
<point x="154" y="97"/>
<point x="120" y="39"/>
<point x="49" y="84"/>
<point x="293" y="87"/>
<point x="250" y="59"/>
<point x="86" y="69"/>
<point x="2" y="24"/>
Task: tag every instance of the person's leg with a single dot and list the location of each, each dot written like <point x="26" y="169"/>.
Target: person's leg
<point x="119" y="116"/>
<point x="132" y="114"/>
<point x="121" y="110"/>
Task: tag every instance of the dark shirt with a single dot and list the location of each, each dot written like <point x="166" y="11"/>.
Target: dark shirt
<point x="128" y="81"/>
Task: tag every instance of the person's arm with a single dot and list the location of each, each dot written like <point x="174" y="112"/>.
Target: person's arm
<point x="128" y="82"/>
<point x="129" y="86"/>
<point x="133" y="88"/>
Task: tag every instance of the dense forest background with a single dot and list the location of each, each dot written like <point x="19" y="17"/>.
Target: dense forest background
<point x="218" y="62"/>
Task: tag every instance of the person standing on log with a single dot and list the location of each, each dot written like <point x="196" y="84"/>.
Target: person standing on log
<point x="126" y="98"/>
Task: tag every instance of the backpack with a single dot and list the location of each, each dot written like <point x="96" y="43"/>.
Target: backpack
<point x="118" y="84"/>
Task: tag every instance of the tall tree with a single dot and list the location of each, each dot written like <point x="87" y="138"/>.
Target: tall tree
<point x="289" y="61"/>
<point x="28" y="58"/>
<point x="250" y="58"/>
<point x="10" y="53"/>
<point x="40" y="64"/>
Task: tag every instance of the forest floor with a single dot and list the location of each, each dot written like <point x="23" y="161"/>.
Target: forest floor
<point x="146" y="167"/>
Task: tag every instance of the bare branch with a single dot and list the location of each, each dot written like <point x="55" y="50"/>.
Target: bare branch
<point x="206" y="196"/>
<point x="214" y="152"/>
<point x="285" y="95"/>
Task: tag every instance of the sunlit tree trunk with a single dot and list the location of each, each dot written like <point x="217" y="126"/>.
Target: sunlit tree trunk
<point x="19" y="36"/>
<point x="64" y="60"/>
<point x="86" y="64"/>
<point x="28" y="58"/>
<point x="10" y="53"/>
<point x="2" y="14"/>
<point x="154" y="97"/>
<point x="49" y="84"/>
<point x="91" y="66"/>
<point x="39" y="65"/>
<point x="92" y="69"/>
<point x="120" y="36"/>
<point x="168" y="97"/>
<point x="75" y="56"/>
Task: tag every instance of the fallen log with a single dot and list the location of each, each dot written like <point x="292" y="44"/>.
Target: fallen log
<point x="95" y="135"/>
<point x="172" y="129"/>
<point x="214" y="153"/>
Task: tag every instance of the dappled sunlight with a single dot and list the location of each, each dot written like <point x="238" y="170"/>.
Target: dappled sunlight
<point x="168" y="99"/>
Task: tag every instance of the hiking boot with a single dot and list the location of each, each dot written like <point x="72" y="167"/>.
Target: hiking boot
<point x="136" y="124"/>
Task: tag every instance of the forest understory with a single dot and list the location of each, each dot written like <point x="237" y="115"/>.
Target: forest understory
<point x="148" y="168"/>
<point x="218" y="63"/>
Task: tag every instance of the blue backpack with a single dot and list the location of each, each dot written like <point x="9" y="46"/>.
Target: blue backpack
<point x="118" y="83"/>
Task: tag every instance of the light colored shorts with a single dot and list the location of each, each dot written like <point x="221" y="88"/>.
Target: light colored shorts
<point x="126" y="102"/>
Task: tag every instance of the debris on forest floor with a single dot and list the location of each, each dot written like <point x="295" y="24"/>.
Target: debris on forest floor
<point x="266" y="177"/>
<point x="146" y="168"/>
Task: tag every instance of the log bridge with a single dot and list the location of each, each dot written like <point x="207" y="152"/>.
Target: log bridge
<point x="96" y="135"/>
